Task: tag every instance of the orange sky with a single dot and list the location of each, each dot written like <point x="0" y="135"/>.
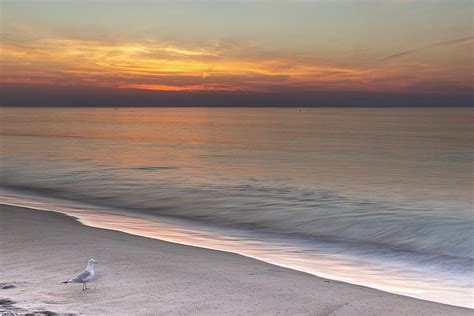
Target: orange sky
<point x="163" y="66"/>
<point x="55" y="50"/>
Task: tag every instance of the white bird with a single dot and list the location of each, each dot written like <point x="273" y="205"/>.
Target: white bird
<point x="85" y="276"/>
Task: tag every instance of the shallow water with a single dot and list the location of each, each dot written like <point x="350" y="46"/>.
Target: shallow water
<point x="350" y="194"/>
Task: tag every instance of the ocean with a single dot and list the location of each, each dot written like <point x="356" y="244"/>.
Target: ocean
<point x="380" y="197"/>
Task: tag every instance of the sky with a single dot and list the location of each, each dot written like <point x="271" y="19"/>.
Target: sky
<point x="237" y="53"/>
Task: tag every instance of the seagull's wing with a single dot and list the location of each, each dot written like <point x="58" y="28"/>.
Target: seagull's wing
<point x="81" y="277"/>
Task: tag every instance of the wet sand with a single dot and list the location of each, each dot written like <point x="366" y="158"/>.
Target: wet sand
<point x="137" y="275"/>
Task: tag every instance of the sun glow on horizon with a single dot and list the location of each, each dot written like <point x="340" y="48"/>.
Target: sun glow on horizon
<point x="154" y="65"/>
<point x="269" y="51"/>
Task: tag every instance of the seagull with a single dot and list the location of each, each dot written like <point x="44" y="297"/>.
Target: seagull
<point x="85" y="276"/>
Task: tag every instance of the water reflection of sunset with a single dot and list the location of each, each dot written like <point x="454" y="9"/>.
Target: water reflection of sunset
<point x="204" y="144"/>
<point x="311" y="258"/>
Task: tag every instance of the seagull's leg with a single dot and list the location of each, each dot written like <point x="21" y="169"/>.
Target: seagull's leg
<point x="83" y="286"/>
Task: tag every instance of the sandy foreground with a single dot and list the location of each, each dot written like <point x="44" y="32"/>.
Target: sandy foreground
<point x="137" y="276"/>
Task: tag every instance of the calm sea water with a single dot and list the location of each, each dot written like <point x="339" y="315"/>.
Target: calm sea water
<point x="378" y="197"/>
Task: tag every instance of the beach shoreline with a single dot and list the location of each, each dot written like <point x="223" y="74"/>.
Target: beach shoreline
<point x="43" y="248"/>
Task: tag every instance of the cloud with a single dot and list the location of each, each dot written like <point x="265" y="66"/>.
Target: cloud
<point x="228" y="65"/>
<point x="400" y="54"/>
<point x="416" y="50"/>
<point x="160" y="65"/>
<point x="455" y="41"/>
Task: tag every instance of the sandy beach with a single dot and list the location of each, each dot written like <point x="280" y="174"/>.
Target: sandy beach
<point x="137" y="275"/>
